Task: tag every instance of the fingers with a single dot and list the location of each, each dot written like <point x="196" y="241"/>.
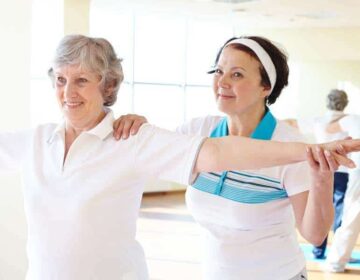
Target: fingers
<point x="352" y="145"/>
<point x="136" y="125"/>
<point x="118" y="128"/>
<point x="126" y="125"/>
<point x="343" y="160"/>
<point x="311" y="159"/>
<point x="323" y="164"/>
<point x="322" y="160"/>
<point x="331" y="161"/>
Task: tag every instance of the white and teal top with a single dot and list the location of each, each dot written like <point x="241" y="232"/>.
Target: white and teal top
<point x="246" y="215"/>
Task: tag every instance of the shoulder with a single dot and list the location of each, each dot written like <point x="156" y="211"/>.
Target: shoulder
<point x="45" y="129"/>
<point x="200" y="126"/>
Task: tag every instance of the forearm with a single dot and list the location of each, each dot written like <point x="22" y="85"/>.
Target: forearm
<point x="237" y="153"/>
<point x="319" y="214"/>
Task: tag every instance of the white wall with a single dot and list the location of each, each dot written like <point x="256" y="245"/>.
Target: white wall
<point x="76" y="16"/>
<point x="15" y="20"/>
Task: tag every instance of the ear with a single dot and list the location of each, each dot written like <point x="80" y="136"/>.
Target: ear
<point x="109" y="88"/>
<point x="266" y="91"/>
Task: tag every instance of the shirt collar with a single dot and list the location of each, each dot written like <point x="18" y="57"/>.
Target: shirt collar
<point x="102" y="130"/>
<point x="263" y="131"/>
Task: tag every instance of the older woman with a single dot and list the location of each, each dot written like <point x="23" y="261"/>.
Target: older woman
<point x="248" y="215"/>
<point x="82" y="189"/>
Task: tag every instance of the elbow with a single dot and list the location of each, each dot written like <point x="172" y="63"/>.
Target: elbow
<point x="316" y="239"/>
<point x="209" y="158"/>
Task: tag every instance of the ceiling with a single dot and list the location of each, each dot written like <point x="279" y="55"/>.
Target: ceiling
<point x="253" y="13"/>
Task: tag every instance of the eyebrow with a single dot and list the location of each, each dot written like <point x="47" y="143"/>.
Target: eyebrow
<point x="77" y="74"/>
<point x="233" y="68"/>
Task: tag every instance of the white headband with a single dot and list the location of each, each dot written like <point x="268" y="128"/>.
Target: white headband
<point x="261" y="54"/>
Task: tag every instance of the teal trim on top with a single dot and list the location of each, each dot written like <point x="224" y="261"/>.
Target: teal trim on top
<point x="263" y="131"/>
<point x="265" y="128"/>
<point x="221" y="129"/>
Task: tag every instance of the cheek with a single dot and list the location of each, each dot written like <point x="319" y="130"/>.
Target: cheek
<point x="58" y="94"/>
<point x="245" y="88"/>
<point x="214" y="84"/>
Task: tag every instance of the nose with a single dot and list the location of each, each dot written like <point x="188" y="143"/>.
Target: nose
<point x="223" y="81"/>
<point x="70" y="91"/>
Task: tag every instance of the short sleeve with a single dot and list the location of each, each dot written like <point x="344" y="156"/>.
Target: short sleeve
<point x="296" y="178"/>
<point x="13" y="149"/>
<point x="167" y="155"/>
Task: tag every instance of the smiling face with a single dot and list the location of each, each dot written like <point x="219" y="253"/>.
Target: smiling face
<point x="79" y="96"/>
<point x="237" y="83"/>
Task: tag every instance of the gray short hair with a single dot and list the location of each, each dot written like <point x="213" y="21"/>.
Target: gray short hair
<point x="337" y="100"/>
<point x="94" y="54"/>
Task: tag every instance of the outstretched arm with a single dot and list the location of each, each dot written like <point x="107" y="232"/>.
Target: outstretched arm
<point x="236" y="153"/>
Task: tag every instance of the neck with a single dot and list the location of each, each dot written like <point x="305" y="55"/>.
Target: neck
<point x="73" y="129"/>
<point x="245" y="123"/>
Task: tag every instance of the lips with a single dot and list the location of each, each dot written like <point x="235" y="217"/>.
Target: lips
<point x="225" y="96"/>
<point x="73" y="104"/>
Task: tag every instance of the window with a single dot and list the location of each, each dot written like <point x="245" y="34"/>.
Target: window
<point x="165" y="60"/>
<point x="47" y="26"/>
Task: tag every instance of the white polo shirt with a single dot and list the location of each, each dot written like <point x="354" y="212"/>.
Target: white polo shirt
<point x="82" y="213"/>
<point x="246" y="215"/>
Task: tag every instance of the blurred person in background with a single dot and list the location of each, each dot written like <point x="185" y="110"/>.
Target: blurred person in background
<point x="336" y="102"/>
<point x="346" y="235"/>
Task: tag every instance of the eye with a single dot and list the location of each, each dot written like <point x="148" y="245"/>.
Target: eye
<point x="237" y="75"/>
<point x="82" y="80"/>
<point x="217" y="71"/>
<point x="60" y="80"/>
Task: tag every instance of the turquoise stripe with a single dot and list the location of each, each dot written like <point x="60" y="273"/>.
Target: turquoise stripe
<point x="231" y="178"/>
<point x="255" y="176"/>
<point x="254" y="184"/>
<point x="238" y="194"/>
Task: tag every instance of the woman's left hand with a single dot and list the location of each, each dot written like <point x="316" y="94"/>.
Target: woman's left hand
<point x="323" y="168"/>
<point x="127" y="124"/>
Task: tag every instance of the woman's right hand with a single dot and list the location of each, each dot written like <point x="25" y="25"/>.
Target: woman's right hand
<point x="127" y="124"/>
<point x="341" y="148"/>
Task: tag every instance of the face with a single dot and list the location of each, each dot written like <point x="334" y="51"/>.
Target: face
<point x="79" y="96"/>
<point x="237" y="83"/>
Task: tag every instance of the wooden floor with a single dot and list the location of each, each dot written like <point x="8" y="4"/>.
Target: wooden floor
<point x="171" y="240"/>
